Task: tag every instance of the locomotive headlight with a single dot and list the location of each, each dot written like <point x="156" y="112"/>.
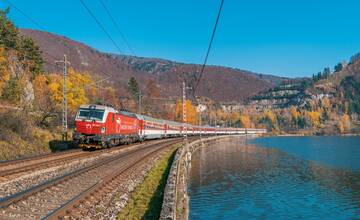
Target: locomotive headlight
<point x="102" y="130"/>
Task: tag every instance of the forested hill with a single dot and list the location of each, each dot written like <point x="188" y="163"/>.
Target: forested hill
<point x="236" y="85"/>
<point x="328" y="103"/>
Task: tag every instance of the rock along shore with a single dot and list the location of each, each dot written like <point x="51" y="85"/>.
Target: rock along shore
<point x="176" y="200"/>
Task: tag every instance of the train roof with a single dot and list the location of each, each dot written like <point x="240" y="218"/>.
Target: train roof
<point x="156" y="120"/>
<point x="102" y="107"/>
<point x="129" y="114"/>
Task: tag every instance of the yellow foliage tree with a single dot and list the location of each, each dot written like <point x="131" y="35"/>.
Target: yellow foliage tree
<point x="271" y="118"/>
<point x="191" y="114"/>
<point x="41" y="91"/>
<point x="314" y="117"/>
<point x="344" y="124"/>
<point x="55" y="88"/>
<point x="234" y="117"/>
<point x="294" y="113"/>
<point x="325" y="103"/>
<point x="245" y="121"/>
<point x="4" y="73"/>
<point x="76" y="89"/>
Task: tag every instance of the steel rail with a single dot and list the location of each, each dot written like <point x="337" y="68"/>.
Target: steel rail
<point x="43" y="163"/>
<point x="105" y="185"/>
<point x="36" y="157"/>
<point x="6" y="201"/>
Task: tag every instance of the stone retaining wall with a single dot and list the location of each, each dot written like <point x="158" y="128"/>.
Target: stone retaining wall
<point x="176" y="200"/>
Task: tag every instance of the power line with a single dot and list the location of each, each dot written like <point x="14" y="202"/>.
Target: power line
<point x="117" y="27"/>
<point x="41" y="27"/>
<point x="35" y="23"/>
<point x="209" y="47"/>
<point x="100" y="25"/>
<point x="24" y="14"/>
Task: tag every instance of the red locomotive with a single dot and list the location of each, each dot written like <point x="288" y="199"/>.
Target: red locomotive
<point x="99" y="126"/>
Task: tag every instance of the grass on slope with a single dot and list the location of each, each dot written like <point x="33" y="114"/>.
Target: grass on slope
<point x="146" y="200"/>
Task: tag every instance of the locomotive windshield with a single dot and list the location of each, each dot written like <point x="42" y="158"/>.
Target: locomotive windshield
<point x="91" y="114"/>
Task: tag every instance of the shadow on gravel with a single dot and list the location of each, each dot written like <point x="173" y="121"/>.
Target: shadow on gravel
<point x="56" y="145"/>
<point x="155" y="205"/>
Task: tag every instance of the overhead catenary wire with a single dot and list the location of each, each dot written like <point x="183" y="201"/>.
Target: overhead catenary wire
<point x="24" y="14"/>
<point x="11" y="4"/>
<point x="209" y="47"/>
<point x="100" y="25"/>
<point x="117" y="27"/>
<point x="41" y="27"/>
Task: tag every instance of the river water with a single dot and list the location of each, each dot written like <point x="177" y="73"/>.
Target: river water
<point x="277" y="178"/>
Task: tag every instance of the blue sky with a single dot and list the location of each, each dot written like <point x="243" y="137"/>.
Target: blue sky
<point x="281" y="37"/>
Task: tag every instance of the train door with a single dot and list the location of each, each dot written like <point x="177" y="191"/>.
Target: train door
<point x="118" y="124"/>
<point x="141" y="128"/>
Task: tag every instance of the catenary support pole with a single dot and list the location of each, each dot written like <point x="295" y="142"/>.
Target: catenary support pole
<point x="64" y="118"/>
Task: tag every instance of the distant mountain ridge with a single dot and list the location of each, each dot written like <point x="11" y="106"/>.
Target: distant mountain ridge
<point x="221" y="84"/>
<point x="341" y="85"/>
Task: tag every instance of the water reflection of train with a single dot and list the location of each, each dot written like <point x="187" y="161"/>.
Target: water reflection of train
<point x="99" y="126"/>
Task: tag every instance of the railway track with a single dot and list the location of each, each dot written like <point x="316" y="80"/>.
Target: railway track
<point x="4" y="165"/>
<point x="57" y="197"/>
<point x="12" y="184"/>
<point x="14" y="168"/>
<point x="41" y="164"/>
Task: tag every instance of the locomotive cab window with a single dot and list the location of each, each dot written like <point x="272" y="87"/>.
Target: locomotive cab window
<point x="91" y="114"/>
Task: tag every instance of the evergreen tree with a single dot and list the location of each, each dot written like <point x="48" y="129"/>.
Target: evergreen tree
<point x="318" y="76"/>
<point x="30" y="53"/>
<point x="338" y="67"/>
<point x="326" y="73"/>
<point x="133" y="88"/>
<point x="8" y="32"/>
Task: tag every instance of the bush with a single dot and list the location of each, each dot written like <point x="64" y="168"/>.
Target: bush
<point x="15" y="122"/>
<point x="12" y="90"/>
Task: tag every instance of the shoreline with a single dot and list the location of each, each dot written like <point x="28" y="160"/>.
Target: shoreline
<point x="309" y="135"/>
<point x="176" y="198"/>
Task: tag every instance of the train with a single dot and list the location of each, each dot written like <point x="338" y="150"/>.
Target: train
<point x="101" y="126"/>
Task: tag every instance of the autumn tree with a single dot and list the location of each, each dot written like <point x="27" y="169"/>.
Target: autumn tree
<point x="270" y="119"/>
<point x="43" y="100"/>
<point x="294" y="115"/>
<point x="326" y="107"/>
<point x="4" y="72"/>
<point x="12" y="90"/>
<point x="314" y="118"/>
<point x="191" y="113"/>
<point x="235" y="118"/>
<point x="109" y="96"/>
<point x="152" y="90"/>
<point x="212" y="117"/>
<point x="245" y="121"/>
<point x="76" y="89"/>
<point x="152" y="105"/>
<point x="344" y="124"/>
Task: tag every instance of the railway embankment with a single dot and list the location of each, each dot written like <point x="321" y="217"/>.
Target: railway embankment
<point x="176" y="200"/>
<point x="146" y="200"/>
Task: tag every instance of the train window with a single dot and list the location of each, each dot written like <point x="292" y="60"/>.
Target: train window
<point x="91" y="114"/>
<point x="113" y="117"/>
